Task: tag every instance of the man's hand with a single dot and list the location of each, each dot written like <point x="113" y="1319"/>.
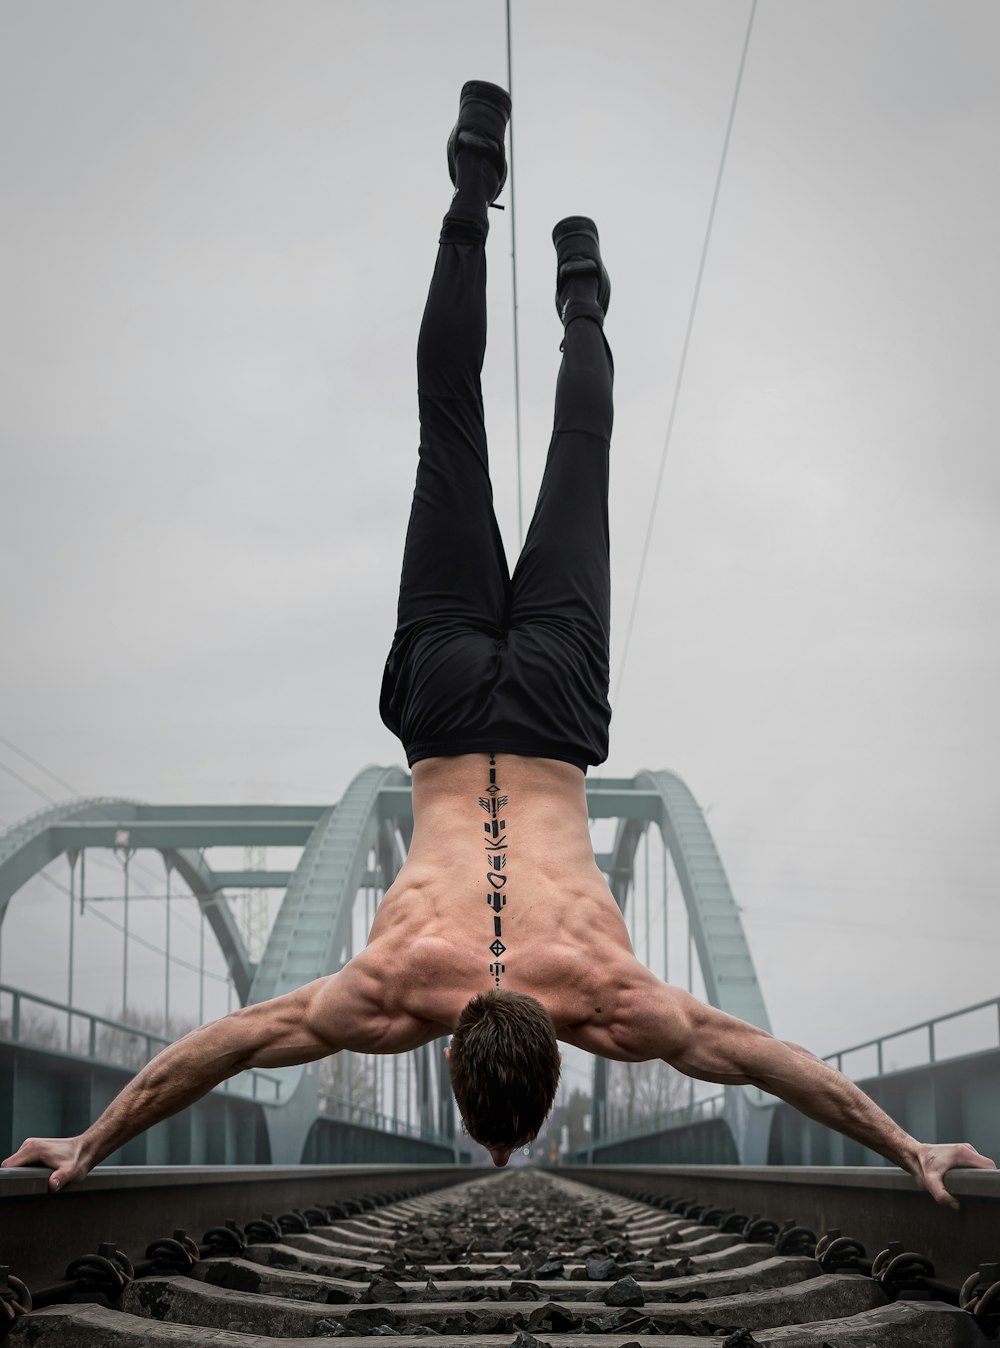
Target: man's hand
<point x="64" y="1154"/>
<point x="934" y="1159"/>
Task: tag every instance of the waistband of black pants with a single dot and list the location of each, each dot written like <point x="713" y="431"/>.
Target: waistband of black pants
<point x="498" y="744"/>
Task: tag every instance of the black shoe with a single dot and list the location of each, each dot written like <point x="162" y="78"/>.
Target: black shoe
<point x="483" y="114"/>
<point x="578" y="253"/>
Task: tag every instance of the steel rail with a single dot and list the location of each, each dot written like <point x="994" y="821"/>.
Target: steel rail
<point x="40" y="1232"/>
<point x="869" y="1204"/>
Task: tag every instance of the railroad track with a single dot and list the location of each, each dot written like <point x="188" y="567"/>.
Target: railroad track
<point x="514" y="1258"/>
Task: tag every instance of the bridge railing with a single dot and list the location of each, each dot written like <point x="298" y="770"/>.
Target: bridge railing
<point x="348" y="1111"/>
<point x="105" y="1041"/>
<point x="695" y="1111"/>
<point x="929" y="1051"/>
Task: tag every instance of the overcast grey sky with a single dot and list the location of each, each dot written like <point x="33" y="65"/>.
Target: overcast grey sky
<point x="219" y="224"/>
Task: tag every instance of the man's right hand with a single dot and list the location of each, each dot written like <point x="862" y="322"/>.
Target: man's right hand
<point x="65" y="1155"/>
<point x="933" y="1161"/>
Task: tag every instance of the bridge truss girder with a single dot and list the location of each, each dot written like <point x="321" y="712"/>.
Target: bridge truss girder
<point x="71" y="828"/>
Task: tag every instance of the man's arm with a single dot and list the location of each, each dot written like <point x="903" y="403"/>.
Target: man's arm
<point x="342" y="1011"/>
<point x="710" y="1045"/>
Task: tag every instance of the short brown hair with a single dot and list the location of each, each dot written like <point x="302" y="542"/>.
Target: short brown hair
<point x="504" y="1064"/>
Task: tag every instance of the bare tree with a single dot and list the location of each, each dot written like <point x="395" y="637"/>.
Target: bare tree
<point x="348" y="1079"/>
<point x="639" y="1093"/>
<point x="41" y="1028"/>
<point x="128" y="1047"/>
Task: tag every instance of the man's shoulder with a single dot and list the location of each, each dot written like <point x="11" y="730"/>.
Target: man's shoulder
<point x="423" y="975"/>
<point x="370" y="1005"/>
<point x="633" y="1017"/>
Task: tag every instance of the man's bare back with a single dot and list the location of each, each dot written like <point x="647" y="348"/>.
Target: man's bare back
<point x="565" y="941"/>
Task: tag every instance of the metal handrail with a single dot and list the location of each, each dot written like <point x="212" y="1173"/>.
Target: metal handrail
<point x="695" y="1111"/>
<point x="929" y="1025"/>
<point x="346" y="1111"/>
<point x="251" y="1078"/>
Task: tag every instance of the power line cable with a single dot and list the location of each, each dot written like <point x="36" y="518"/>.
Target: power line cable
<point x="513" y="268"/>
<point x="24" y="782"/>
<point x="133" y="865"/>
<point x="41" y="766"/>
<point x="133" y="936"/>
<point x="684" y="350"/>
<point x="158" y="950"/>
<point x="156" y="898"/>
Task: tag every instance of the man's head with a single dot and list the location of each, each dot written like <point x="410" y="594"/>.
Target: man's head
<point x="504" y="1063"/>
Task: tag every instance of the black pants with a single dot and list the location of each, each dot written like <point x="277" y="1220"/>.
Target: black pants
<point x="482" y="661"/>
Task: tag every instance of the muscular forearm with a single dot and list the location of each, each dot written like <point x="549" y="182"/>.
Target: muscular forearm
<point x="174" y="1079"/>
<point x="826" y="1095"/>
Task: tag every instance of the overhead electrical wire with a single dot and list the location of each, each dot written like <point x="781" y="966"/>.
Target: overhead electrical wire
<point x="159" y="950"/>
<point x="133" y="936"/>
<point x="40" y="766"/>
<point x="24" y="782"/>
<point x="684" y="350"/>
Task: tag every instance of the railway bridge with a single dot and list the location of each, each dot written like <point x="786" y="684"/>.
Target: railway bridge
<point x="660" y="862"/>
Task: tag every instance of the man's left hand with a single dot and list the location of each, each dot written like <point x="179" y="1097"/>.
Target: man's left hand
<point x="934" y="1159"/>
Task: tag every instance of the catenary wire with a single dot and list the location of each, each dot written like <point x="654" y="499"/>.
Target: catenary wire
<point x="156" y="898"/>
<point x="5" y="767"/>
<point x="40" y="766"/>
<point x="133" y="936"/>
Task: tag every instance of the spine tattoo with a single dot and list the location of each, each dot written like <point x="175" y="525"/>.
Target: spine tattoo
<point x="496" y="864"/>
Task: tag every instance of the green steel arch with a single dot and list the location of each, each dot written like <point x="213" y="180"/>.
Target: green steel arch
<point x="39" y="839"/>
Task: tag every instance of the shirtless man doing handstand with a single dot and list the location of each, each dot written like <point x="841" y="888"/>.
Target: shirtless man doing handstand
<point x="500" y="930"/>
